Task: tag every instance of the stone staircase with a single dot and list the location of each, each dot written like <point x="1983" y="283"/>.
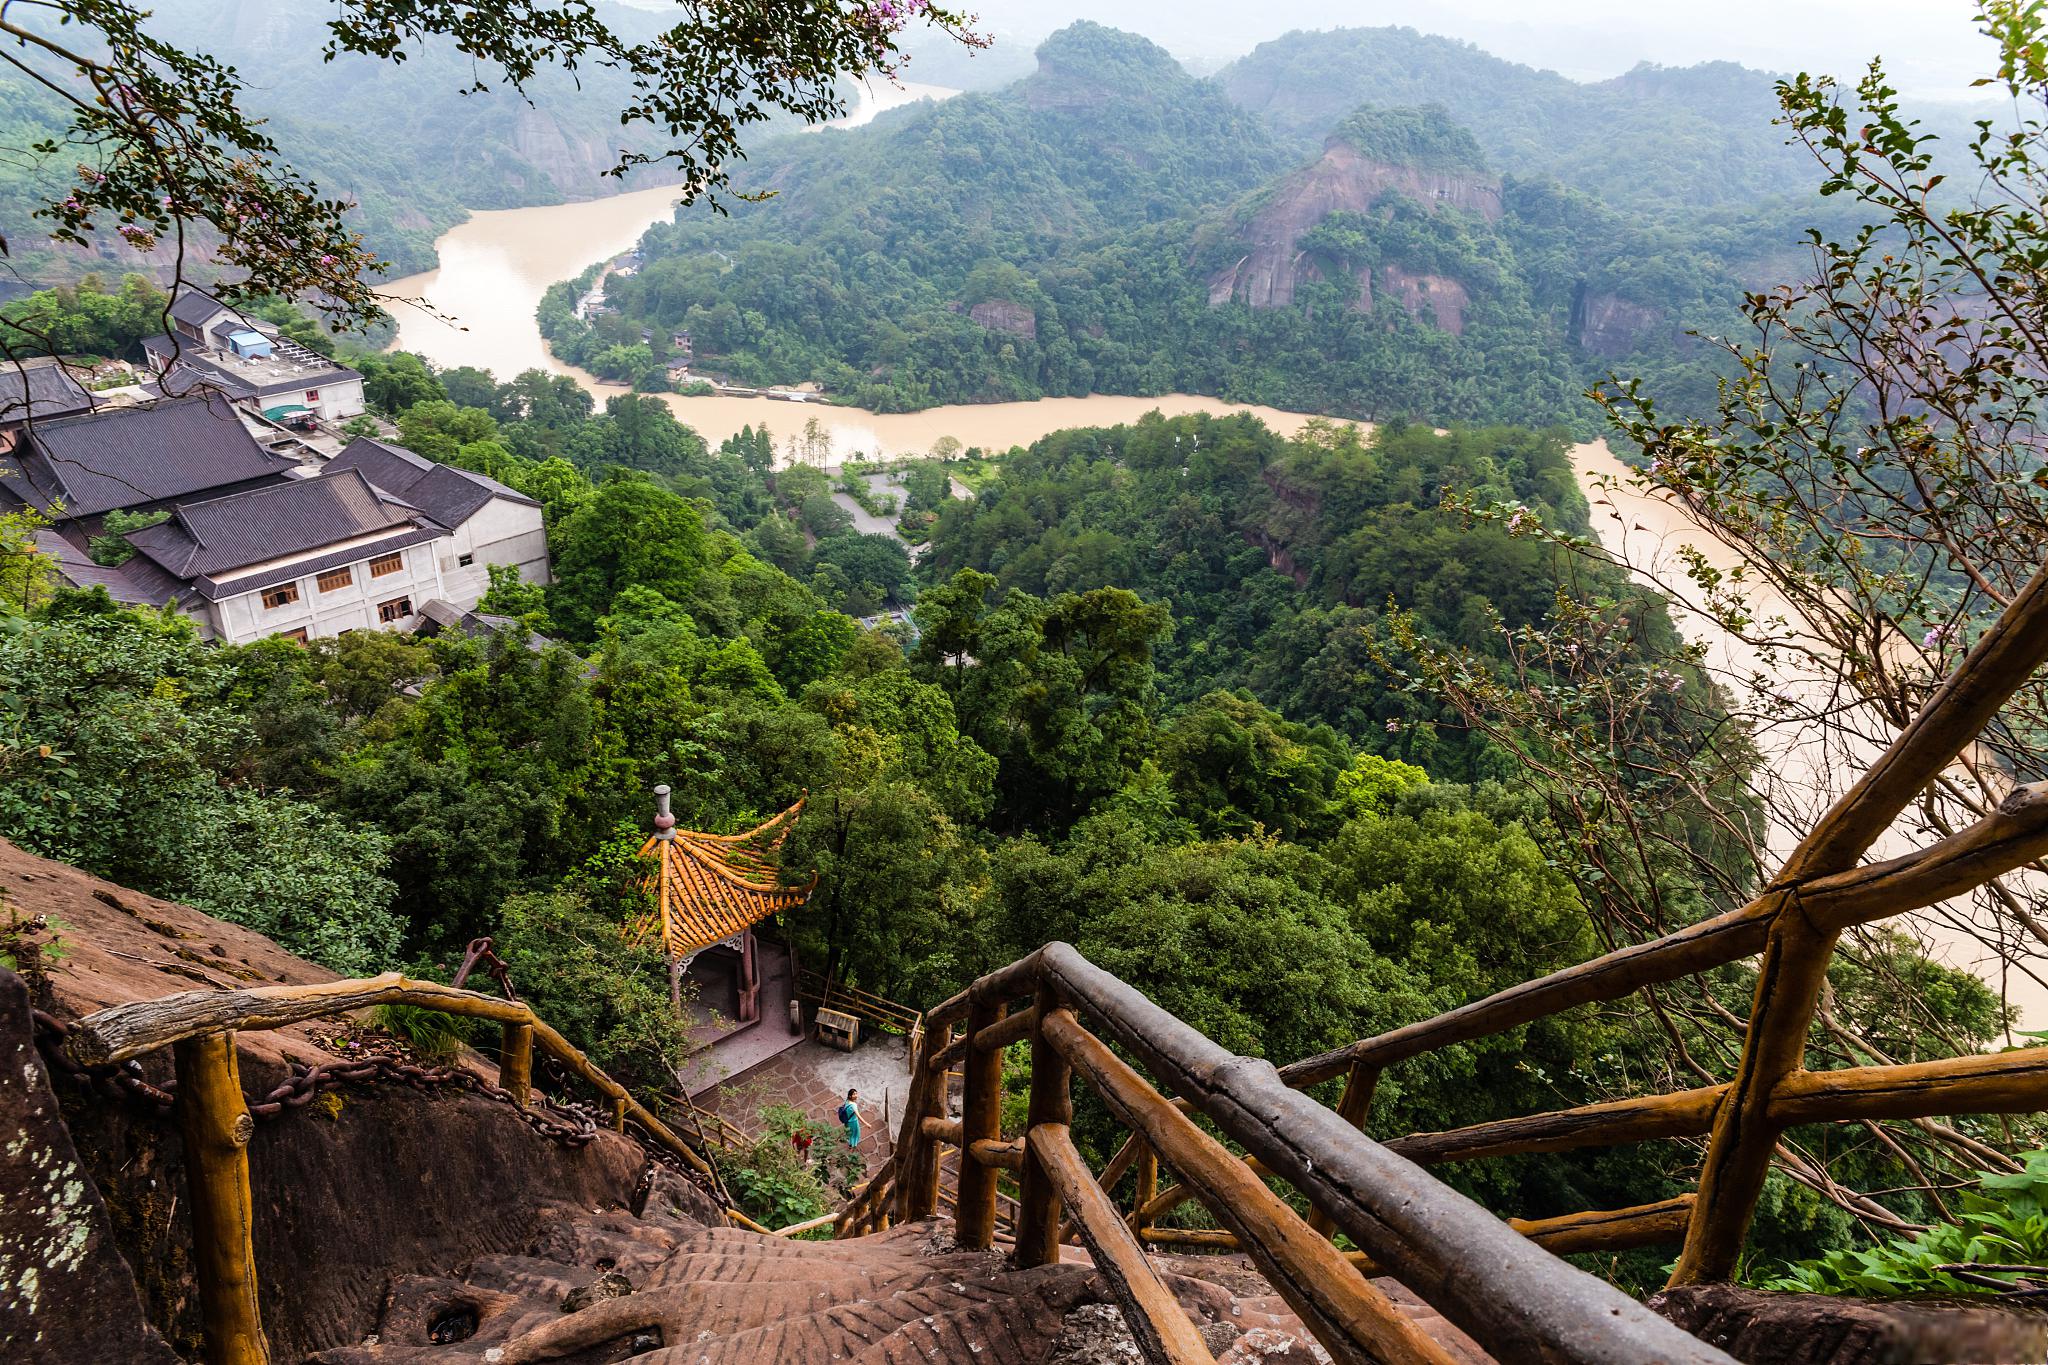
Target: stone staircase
<point x="665" y="1289"/>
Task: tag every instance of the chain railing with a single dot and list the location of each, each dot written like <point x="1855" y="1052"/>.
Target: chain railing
<point x="1499" y="1281"/>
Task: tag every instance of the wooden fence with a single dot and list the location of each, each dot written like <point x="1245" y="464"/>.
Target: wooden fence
<point x="1501" y="1282"/>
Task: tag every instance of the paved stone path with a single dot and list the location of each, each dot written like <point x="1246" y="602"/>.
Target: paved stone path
<point x="814" y="1079"/>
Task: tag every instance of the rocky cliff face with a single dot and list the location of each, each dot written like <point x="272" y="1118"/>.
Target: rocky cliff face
<point x="371" y="1182"/>
<point x="1345" y="180"/>
<point x="1001" y="315"/>
<point x="1610" y="326"/>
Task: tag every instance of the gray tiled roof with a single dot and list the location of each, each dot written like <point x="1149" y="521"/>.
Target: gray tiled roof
<point x="437" y="614"/>
<point x="449" y="495"/>
<point x="212" y="538"/>
<point x="39" y="389"/>
<point x="129" y="457"/>
<point x="76" y="567"/>
<point x="194" y="306"/>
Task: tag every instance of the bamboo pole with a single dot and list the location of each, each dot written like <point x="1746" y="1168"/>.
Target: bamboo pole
<point x="515" y="1062"/>
<point x="1163" y="1333"/>
<point x="214" y="1121"/>
<point x="1350" y="1316"/>
<point x="981" y="1101"/>
<point x="1052" y="1101"/>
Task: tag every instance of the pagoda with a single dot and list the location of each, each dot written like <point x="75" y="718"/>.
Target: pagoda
<point x="710" y="892"/>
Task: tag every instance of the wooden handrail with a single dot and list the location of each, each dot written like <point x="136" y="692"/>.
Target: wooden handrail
<point x="1163" y="1332"/>
<point x="120" y="1032"/>
<point x="1350" y="1316"/>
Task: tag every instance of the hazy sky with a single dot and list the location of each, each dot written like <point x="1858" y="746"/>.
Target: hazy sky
<point x="1931" y="47"/>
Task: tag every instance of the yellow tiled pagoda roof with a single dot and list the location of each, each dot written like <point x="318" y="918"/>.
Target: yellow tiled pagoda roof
<point x="712" y="886"/>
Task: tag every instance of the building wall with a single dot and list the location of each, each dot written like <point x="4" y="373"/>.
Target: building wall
<point x="340" y="399"/>
<point x="499" y="532"/>
<point x="243" y="617"/>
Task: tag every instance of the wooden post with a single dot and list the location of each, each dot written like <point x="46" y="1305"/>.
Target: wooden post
<point x="1148" y="1184"/>
<point x="1161" y="1328"/>
<point x="1354" y="1106"/>
<point x="1788" y="985"/>
<point x="917" y="1183"/>
<point x="515" y="1062"/>
<point x="974" y="1214"/>
<point x="214" y="1122"/>
<point x="1052" y="1101"/>
<point x="619" y="1114"/>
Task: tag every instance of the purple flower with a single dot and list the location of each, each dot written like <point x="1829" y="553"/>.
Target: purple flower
<point x="1936" y="638"/>
<point x="1393" y="727"/>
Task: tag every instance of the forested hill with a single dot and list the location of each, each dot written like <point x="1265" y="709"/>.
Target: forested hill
<point x="1656" y="140"/>
<point x="1089" y="229"/>
<point x="400" y="139"/>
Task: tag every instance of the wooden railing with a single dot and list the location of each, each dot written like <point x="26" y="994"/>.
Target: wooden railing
<point x="1500" y="1281"/>
<point x="1511" y="1294"/>
<point x="864" y="1005"/>
<point x="200" y="1026"/>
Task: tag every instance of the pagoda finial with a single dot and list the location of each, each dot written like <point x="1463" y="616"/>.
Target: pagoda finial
<point x="664" y="822"/>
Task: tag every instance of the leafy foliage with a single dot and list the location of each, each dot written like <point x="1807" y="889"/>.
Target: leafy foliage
<point x="2003" y="1221"/>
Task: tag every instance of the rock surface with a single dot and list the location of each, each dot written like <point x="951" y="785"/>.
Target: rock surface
<point x="1001" y="315"/>
<point x="1759" y="1328"/>
<point x="1610" y="326"/>
<point x="1345" y="180"/>
<point x="720" y="1296"/>
<point x="66" y="1293"/>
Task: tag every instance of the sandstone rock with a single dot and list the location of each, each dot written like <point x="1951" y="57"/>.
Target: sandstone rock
<point x="1761" y="1328"/>
<point x="1343" y="181"/>
<point x="610" y="1285"/>
<point x="67" y="1297"/>
<point x="1437" y="299"/>
<point x="1001" y="315"/>
<point x="1610" y="326"/>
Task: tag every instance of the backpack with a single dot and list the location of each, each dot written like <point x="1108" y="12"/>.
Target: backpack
<point x="846" y="1112"/>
